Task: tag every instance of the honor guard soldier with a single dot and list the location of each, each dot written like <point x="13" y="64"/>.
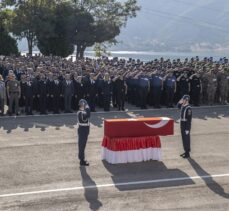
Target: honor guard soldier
<point x="83" y="116"/>
<point x="185" y="124"/>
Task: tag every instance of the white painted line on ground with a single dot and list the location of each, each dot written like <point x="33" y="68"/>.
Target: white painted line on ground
<point x="107" y="112"/>
<point x="114" y="184"/>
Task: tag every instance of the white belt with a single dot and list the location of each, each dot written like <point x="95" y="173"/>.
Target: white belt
<point x="183" y="120"/>
<point x="84" y="124"/>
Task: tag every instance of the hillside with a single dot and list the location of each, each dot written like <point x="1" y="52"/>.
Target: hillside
<point x="176" y="25"/>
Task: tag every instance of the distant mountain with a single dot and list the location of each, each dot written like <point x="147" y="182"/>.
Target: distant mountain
<point x="176" y="25"/>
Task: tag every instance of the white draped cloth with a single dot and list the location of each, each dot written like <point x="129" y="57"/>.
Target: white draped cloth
<point x="131" y="156"/>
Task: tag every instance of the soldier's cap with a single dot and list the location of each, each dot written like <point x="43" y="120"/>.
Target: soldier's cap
<point x="82" y="102"/>
<point x="186" y="97"/>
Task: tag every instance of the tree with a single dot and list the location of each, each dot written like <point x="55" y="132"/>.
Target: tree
<point x="85" y="32"/>
<point x="57" y="39"/>
<point x="108" y="16"/>
<point x="7" y="43"/>
<point x="26" y="20"/>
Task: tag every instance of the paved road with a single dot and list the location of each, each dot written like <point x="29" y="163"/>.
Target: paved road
<point x="39" y="169"/>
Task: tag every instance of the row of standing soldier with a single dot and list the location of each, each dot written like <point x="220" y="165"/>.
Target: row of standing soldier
<point x="55" y="93"/>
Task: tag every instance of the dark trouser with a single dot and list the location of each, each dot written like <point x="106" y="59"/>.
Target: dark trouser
<point x="195" y="97"/>
<point x="42" y="103"/>
<point x="91" y="102"/>
<point x="106" y="102"/>
<point x="185" y="138"/>
<point x="74" y="103"/>
<point x="143" y="97"/>
<point x="121" y="100"/>
<point x="29" y="104"/>
<point x="100" y="98"/>
<point x="62" y="103"/>
<point x="50" y="103"/>
<point x="169" y="96"/>
<point x="13" y="98"/>
<point x="83" y="132"/>
<point x="67" y="103"/>
<point x="2" y="105"/>
<point x="156" y="96"/>
<point x="114" y="98"/>
<point x="36" y="105"/>
<point x="56" y="104"/>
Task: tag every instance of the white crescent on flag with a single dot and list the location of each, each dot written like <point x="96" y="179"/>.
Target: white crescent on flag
<point x="164" y="121"/>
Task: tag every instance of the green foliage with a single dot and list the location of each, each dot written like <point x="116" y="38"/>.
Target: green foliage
<point x="101" y="50"/>
<point x="56" y="35"/>
<point x="8" y="44"/>
<point x="5" y="3"/>
<point x="56" y="26"/>
<point x="108" y="15"/>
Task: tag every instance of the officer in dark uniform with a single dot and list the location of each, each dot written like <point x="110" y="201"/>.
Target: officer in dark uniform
<point x="170" y="88"/>
<point x="184" y="85"/>
<point x="56" y="92"/>
<point x="35" y="81"/>
<point x="83" y="116"/>
<point x="80" y="90"/>
<point x="50" y="103"/>
<point x="28" y="94"/>
<point x="67" y="92"/>
<point x="114" y="92"/>
<point x="107" y="92"/>
<point x="121" y="89"/>
<point x="156" y="86"/>
<point x="91" y="87"/>
<point x="185" y="124"/>
<point x="22" y="97"/>
<point x="100" y="91"/>
<point x="196" y="89"/>
<point x="144" y="86"/>
<point x="42" y="94"/>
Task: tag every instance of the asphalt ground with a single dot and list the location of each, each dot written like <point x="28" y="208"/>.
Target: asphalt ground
<point x="39" y="169"/>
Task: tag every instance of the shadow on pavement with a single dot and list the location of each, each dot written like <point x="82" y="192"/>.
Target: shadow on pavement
<point x="91" y="194"/>
<point x="44" y="122"/>
<point x="145" y="171"/>
<point x="210" y="182"/>
<point x="69" y="120"/>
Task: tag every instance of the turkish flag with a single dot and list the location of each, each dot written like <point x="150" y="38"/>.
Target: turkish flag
<point x="161" y="126"/>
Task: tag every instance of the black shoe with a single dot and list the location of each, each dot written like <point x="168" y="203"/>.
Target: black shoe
<point x="187" y="155"/>
<point x="84" y="163"/>
<point x="182" y="155"/>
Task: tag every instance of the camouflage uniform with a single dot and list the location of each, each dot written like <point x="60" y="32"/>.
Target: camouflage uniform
<point x="204" y="95"/>
<point x="211" y="87"/>
<point x="223" y="86"/>
<point x="14" y="92"/>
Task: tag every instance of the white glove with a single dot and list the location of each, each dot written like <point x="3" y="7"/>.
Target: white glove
<point x="186" y="132"/>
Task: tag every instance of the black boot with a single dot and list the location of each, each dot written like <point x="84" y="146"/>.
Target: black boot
<point x="187" y="155"/>
<point x="182" y="155"/>
<point x="84" y="163"/>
